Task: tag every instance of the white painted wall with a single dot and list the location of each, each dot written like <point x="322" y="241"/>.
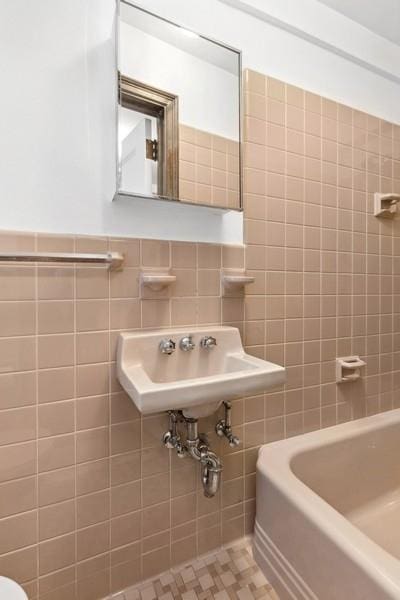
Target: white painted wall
<point x="278" y="50"/>
<point x="322" y="24"/>
<point x="57" y="131"/>
<point x="57" y="127"/>
<point x="383" y="17"/>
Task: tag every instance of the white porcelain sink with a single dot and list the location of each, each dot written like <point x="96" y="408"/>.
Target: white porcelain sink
<point x="196" y="381"/>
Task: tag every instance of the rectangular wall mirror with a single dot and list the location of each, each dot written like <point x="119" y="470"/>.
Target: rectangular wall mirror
<point x="179" y="121"/>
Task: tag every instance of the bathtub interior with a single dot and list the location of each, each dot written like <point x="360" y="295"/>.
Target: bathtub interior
<point x="360" y="478"/>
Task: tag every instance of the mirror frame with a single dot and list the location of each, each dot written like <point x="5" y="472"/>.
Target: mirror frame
<point x="121" y="78"/>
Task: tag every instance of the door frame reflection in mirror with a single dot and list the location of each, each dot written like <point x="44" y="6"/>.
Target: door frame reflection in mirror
<point x="175" y="197"/>
<point x="164" y="106"/>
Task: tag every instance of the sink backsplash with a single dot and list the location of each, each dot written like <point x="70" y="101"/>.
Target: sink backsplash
<point x="86" y="485"/>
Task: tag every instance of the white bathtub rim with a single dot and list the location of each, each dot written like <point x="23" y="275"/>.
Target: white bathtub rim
<point x="286" y="580"/>
<point x="274" y="464"/>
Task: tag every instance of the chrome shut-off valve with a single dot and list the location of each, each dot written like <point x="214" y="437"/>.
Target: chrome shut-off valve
<point x="171" y="438"/>
<point x="224" y="427"/>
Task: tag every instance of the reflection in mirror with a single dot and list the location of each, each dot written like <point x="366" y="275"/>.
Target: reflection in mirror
<point x="178" y="113"/>
<point x="148" y="139"/>
<point x="136" y="128"/>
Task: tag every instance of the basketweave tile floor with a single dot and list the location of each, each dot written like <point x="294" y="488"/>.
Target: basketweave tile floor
<point x="226" y="574"/>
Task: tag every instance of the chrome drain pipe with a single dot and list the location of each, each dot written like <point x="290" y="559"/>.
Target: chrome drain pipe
<point x="211" y="465"/>
<point x="211" y="474"/>
<point x="197" y="447"/>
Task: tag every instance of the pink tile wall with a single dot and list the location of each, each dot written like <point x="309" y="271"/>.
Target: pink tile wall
<point x="208" y="168"/>
<point x="327" y="271"/>
<point x="90" y="501"/>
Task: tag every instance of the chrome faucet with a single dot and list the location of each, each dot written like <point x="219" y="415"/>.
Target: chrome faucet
<point x="186" y="344"/>
<point x="208" y="342"/>
<point x="167" y="346"/>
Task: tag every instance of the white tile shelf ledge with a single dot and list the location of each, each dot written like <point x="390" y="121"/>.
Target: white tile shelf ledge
<point x="235" y="280"/>
<point x="157" y="281"/>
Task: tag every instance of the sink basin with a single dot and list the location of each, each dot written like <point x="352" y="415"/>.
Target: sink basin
<point x="196" y="381"/>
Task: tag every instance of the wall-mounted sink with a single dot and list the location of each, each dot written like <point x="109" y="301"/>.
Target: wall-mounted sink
<point x="194" y="379"/>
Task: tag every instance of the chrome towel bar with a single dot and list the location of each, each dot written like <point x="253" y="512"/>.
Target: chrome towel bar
<point x="113" y="259"/>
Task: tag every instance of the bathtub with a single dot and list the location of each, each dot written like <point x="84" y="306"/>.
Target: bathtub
<point x="328" y="512"/>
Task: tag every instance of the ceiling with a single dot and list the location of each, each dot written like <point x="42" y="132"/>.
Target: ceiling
<point x="380" y="16"/>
